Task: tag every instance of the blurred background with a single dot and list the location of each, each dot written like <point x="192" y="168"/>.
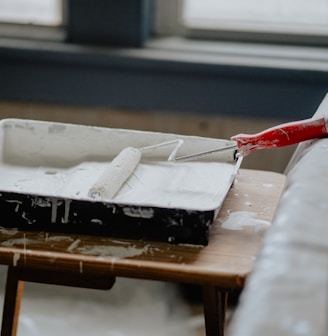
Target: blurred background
<point x="208" y="68"/>
<point x="211" y="68"/>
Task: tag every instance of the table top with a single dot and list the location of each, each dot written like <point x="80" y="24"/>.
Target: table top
<point x="234" y="242"/>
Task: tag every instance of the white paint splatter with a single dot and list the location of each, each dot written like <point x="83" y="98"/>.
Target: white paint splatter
<point x="25" y="243"/>
<point x="58" y="238"/>
<point x="18" y="203"/>
<point x="13" y="242"/>
<point x="8" y="232"/>
<point x="120" y="242"/>
<point x="74" y="245"/>
<point x="67" y="209"/>
<point x="191" y="245"/>
<point x="268" y="185"/>
<point x="24" y="216"/>
<point x="139" y="212"/>
<point x="240" y="220"/>
<point x="113" y="251"/>
<point x="16" y="257"/>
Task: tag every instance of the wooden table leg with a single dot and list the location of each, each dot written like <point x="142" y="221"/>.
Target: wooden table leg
<point x="15" y="283"/>
<point x="215" y="303"/>
<point x="11" y="307"/>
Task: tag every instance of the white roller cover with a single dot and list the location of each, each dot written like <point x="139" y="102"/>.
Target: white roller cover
<point x="117" y="173"/>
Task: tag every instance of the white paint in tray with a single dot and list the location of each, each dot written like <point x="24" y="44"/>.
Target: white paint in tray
<point x="63" y="161"/>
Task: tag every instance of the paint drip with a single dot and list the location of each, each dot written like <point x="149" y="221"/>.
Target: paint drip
<point x="244" y="220"/>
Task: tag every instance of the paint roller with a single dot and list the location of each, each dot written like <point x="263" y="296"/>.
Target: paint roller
<point x="118" y="171"/>
<point x="278" y="136"/>
<point x="122" y="167"/>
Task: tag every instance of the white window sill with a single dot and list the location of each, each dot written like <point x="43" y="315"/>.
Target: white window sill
<point x="239" y="54"/>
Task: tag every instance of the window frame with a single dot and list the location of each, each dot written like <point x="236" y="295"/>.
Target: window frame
<point x="122" y="23"/>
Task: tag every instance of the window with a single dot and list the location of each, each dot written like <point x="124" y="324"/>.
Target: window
<point x="269" y="15"/>
<point x="289" y="21"/>
<point x="37" y="12"/>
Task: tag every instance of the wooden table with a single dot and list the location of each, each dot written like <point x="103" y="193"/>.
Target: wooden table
<point x="94" y="262"/>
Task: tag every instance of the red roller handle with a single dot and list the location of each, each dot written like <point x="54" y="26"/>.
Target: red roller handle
<point x="281" y="135"/>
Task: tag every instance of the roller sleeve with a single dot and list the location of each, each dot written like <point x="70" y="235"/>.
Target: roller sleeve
<point x="116" y="174"/>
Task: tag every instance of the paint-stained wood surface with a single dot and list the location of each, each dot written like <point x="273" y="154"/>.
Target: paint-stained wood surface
<point x="225" y="262"/>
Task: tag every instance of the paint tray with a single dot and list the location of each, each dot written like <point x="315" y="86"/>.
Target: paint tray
<point x="48" y="168"/>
